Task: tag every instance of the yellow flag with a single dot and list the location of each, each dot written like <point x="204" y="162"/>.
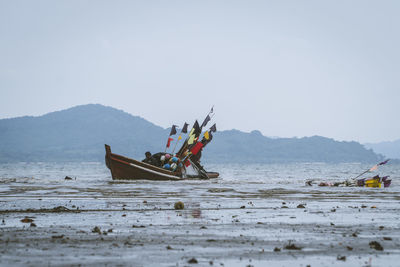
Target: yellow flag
<point x="206" y="135"/>
<point x="180" y="137"/>
<point x="191" y="139"/>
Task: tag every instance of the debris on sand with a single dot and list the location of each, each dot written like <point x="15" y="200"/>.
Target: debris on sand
<point x="57" y="236"/>
<point x="291" y="246"/>
<point x="138" y="226"/>
<point x="168" y="247"/>
<point x="67" y="178"/>
<point x="387" y="238"/>
<point x="243" y="207"/>
<point x="60" y="209"/>
<point x="341" y="258"/>
<point x="33" y="225"/>
<point x="96" y="229"/>
<point x="349" y="248"/>
<point x="301" y="206"/>
<point x="375" y="245"/>
<point x="179" y="205"/>
<point x="27" y="220"/>
<point x="193" y="261"/>
<point x="276" y="249"/>
<point x="284" y="207"/>
<point x="309" y="182"/>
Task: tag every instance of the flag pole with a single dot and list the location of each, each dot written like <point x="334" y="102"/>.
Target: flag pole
<point x="375" y="167"/>
<point x="183" y="130"/>
<point x="187" y="138"/>
<point x="360" y="174"/>
<point x="177" y="141"/>
<point x="175" y="146"/>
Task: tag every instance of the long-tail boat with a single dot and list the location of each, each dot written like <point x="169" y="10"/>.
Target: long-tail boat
<point x="124" y="168"/>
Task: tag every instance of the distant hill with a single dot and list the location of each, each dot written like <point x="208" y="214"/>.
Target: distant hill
<point x="237" y="146"/>
<point x="79" y="134"/>
<point x="389" y="149"/>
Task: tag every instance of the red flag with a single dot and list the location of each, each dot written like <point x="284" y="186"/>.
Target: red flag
<point x="169" y="141"/>
<point x="197" y="148"/>
<point x="187" y="163"/>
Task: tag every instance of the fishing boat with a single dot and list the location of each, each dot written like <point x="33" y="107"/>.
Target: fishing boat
<point x="124" y="168"/>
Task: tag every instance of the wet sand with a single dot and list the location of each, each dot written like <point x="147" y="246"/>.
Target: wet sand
<point x="224" y="223"/>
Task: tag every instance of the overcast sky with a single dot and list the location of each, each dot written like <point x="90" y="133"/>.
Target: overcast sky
<point x="286" y="68"/>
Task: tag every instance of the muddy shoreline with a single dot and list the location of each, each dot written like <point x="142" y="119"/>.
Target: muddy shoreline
<point x="224" y="223"/>
<point x="155" y="234"/>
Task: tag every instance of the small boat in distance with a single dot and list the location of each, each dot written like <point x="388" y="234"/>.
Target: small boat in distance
<point x="123" y="168"/>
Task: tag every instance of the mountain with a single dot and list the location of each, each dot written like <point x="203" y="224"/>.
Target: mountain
<point x="79" y="134"/>
<point x="236" y="146"/>
<point x="389" y="149"/>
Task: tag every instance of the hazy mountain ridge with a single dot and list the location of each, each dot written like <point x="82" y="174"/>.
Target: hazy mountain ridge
<point x="390" y="149"/>
<point x="237" y="146"/>
<point x="79" y="134"/>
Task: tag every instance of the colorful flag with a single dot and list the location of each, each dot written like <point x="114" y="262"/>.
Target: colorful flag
<point x="197" y="129"/>
<point x="195" y="132"/>
<point x="179" y="137"/>
<point x="187" y="163"/>
<point x="213" y="128"/>
<point x="184" y="129"/>
<point x="373" y="168"/>
<point x="206" y="135"/>
<point x="173" y="130"/>
<point x="197" y="147"/>
<point x="191" y="139"/>
<point x="169" y="141"/>
<point x="384" y="162"/>
<point x="206" y="120"/>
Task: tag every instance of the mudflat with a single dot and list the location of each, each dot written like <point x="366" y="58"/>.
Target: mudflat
<point x="251" y="216"/>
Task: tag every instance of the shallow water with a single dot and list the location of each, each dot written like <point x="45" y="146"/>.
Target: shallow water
<point x="235" y="220"/>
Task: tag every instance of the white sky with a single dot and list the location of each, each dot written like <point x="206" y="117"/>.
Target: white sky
<point x="286" y="68"/>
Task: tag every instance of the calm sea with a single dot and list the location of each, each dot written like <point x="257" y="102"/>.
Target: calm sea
<point x="93" y="179"/>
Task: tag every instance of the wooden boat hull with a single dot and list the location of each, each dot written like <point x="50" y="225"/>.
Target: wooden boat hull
<point x="123" y="168"/>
